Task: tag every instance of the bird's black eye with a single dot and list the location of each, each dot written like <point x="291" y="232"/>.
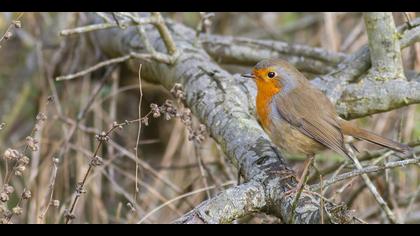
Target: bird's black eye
<point x="271" y="74"/>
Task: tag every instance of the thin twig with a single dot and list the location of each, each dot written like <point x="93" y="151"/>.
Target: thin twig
<point x="108" y="25"/>
<point x="367" y="170"/>
<point x="164" y="33"/>
<point x="384" y="206"/>
<point x="411" y="204"/>
<point x="94" y="95"/>
<point x="138" y="136"/>
<point x="300" y="187"/>
<point x="15" y="23"/>
<point x="181" y="197"/>
<point x="95" y="161"/>
<point x="49" y="195"/>
<point x="94" y="68"/>
<point x="201" y="167"/>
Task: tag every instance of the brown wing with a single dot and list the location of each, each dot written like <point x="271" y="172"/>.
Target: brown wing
<point x="313" y="114"/>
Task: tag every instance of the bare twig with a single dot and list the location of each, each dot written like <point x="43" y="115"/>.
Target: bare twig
<point x="300" y="187"/>
<point x="353" y="36"/>
<point x="94" y="68"/>
<point x="181" y="197"/>
<point x="136" y="191"/>
<point x="8" y="33"/>
<point x="202" y="170"/>
<point x="49" y="195"/>
<point x="93" y="162"/>
<point x="108" y="25"/>
<point x="367" y="170"/>
<point x="384" y="206"/>
<point x="164" y="32"/>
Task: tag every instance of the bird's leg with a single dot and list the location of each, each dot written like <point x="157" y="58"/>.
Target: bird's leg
<point x="302" y="179"/>
<point x="300" y="186"/>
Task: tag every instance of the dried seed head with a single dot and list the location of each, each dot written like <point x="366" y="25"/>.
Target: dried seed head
<point x="96" y="161"/>
<point x="50" y="99"/>
<point x="177" y="91"/>
<point x="55" y="203"/>
<point x="116" y="125"/>
<point x="32" y="143"/>
<point x="169" y="110"/>
<point x="145" y="121"/>
<point x="8" y="35"/>
<point x="198" y="135"/>
<point x="4" y="197"/>
<point x="17" y="210"/>
<point x="103" y="137"/>
<point x="8" y="189"/>
<point x="202" y="129"/>
<point x="24" y="160"/>
<point x="41" y="117"/>
<point x="68" y="215"/>
<point x="79" y="189"/>
<point x="26" y="194"/>
<point x="2" y="125"/>
<point x="17" y="24"/>
<point x="19" y="170"/>
<point x="186" y="117"/>
<point x="155" y="110"/>
<point x="11" y="154"/>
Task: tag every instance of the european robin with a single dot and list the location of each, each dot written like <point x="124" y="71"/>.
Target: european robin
<point x="299" y="118"/>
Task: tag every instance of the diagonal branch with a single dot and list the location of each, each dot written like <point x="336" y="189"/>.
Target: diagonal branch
<point x="367" y="170"/>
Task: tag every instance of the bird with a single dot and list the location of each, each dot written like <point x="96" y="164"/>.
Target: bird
<point x="300" y="119"/>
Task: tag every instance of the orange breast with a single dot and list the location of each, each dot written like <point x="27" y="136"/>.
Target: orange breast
<point x="263" y="109"/>
<point x="266" y="89"/>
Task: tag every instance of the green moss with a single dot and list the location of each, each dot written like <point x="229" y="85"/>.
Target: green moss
<point x="380" y="78"/>
<point x="397" y="36"/>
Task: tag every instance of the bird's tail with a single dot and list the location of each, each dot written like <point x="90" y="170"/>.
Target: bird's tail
<point x="350" y="129"/>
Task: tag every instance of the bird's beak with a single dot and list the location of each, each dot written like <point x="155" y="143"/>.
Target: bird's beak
<point x="248" y="75"/>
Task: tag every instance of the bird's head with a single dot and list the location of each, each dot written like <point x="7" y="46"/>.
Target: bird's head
<point x="273" y="75"/>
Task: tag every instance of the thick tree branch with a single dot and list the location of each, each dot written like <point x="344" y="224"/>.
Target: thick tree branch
<point x="370" y="97"/>
<point x="244" y="51"/>
<point x="249" y="198"/>
<point x="384" y="45"/>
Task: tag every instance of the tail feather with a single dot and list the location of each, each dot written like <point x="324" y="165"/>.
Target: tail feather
<point x="350" y="129"/>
